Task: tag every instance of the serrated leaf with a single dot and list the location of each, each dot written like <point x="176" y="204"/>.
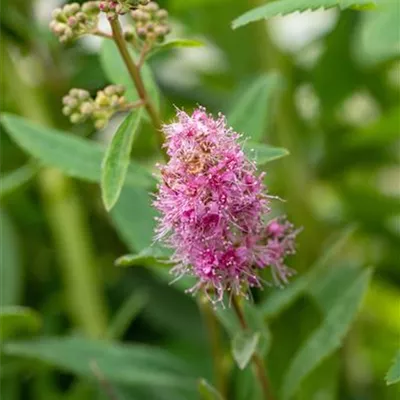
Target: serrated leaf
<point x="116" y="160"/>
<point x="393" y="375"/>
<point x="207" y="391"/>
<point x="14" y="180"/>
<point x="244" y="345"/>
<point x="10" y="265"/>
<point x="251" y="113"/>
<point x="284" y="7"/>
<point x="153" y="255"/>
<point x="262" y="153"/>
<point x="281" y="299"/>
<point x="117" y="72"/>
<point x="328" y="337"/>
<point x="74" y="156"/>
<point x="16" y="321"/>
<point x="125" y="364"/>
<point x="173" y="44"/>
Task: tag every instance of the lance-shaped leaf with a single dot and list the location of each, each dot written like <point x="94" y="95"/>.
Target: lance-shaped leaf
<point x="14" y="180"/>
<point x="283" y="7"/>
<point x="74" y="156"/>
<point x="17" y="321"/>
<point x="174" y="44"/>
<point x="252" y="112"/>
<point x="328" y="336"/>
<point x="116" y="160"/>
<point x="125" y="364"/>
<point x="393" y="375"/>
<point x="262" y="153"/>
<point x="244" y="345"/>
<point x="207" y="391"/>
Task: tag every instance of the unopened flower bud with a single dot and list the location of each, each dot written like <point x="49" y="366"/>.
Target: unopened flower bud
<point x="100" y="123"/>
<point x="152" y="6"/>
<point x="76" y="118"/>
<point x="86" y="108"/>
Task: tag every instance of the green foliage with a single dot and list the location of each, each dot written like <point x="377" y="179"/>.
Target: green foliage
<point x="14" y="180"/>
<point x="328" y="336"/>
<point x="208" y="392"/>
<point x="74" y="156"/>
<point x="127" y="313"/>
<point x="17" y="321"/>
<point x="129" y="364"/>
<point x="280" y="299"/>
<point x="10" y="265"/>
<point x="175" y="44"/>
<point x="247" y="115"/>
<point x="133" y="217"/>
<point x="117" y="72"/>
<point x="116" y="160"/>
<point x="153" y="255"/>
<point x="263" y="154"/>
<point x="334" y="103"/>
<point x="393" y="375"/>
<point x="244" y="345"/>
<point x="284" y="7"/>
<point x="378" y="34"/>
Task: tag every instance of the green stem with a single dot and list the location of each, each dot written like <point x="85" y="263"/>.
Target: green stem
<point x="71" y="236"/>
<point x="66" y="219"/>
<point x="134" y="72"/>
<point x="258" y="362"/>
<point x="212" y="327"/>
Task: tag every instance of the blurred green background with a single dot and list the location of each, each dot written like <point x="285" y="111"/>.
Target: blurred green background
<point x="333" y="101"/>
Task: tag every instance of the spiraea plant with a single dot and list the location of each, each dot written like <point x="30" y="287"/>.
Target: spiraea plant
<point x="214" y="208"/>
<point x="192" y="194"/>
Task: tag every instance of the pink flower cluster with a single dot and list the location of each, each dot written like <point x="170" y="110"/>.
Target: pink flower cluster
<point x="213" y="209"/>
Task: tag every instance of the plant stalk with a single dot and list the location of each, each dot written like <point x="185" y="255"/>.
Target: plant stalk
<point x="134" y="72"/>
<point x="258" y="362"/>
<point x="212" y="327"/>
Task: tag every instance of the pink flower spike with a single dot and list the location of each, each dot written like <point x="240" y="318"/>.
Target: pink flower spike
<point x="214" y="209"/>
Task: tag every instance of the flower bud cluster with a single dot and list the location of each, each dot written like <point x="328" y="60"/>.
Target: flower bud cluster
<point x="151" y="22"/>
<point x="119" y="7"/>
<point x="75" y="20"/>
<point x="79" y="106"/>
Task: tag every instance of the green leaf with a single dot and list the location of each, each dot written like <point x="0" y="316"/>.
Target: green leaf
<point x="17" y="321"/>
<point x="133" y="217"/>
<point x="281" y="299"/>
<point x="378" y="38"/>
<point x="116" y="160"/>
<point x="124" y="364"/>
<point x="251" y="113"/>
<point x="117" y="72"/>
<point x="262" y="153"/>
<point x="175" y="43"/>
<point x="10" y="265"/>
<point x="393" y="375"/>
<point x="328" y="336"/>
<point x="129" y="310"/>
<point x="244" y="345"/>
<point x="154" y="255"/>
<point x="207" y="391"/>
<point x="74" y="156"/>
<point x="14" y="180"/>
<point x="284" y="7"/>
<point x="254" y="319"/>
